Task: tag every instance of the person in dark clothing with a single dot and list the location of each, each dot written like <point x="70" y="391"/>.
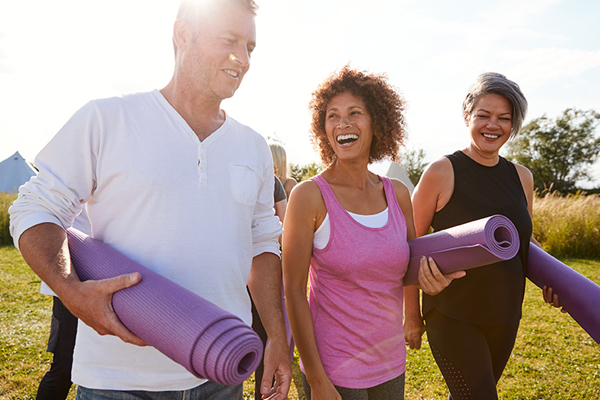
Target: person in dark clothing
<point x="56" y="383"/>
<point x="472" y="325"/>
<point x="280" y="204"/>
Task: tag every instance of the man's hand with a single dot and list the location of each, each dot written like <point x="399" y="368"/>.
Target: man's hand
<point x="45" y="249"/>
<point x="92" y="304"/>
<point x="277" y="375"/>
<point x="265" y="287"/>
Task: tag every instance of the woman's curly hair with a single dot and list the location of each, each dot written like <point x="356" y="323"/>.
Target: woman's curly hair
<point x="384" y="103"/>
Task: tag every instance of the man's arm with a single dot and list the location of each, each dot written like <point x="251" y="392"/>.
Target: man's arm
<point x="265" y="287"/>
<point x="45" y="249"/>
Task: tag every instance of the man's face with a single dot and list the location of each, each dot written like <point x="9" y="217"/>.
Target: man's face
<point x="215" y="61"/>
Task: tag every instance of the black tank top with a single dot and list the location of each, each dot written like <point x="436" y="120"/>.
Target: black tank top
<point x="492" y="294"/>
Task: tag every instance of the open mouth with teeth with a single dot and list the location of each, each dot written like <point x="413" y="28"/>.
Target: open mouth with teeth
<point x="232" y="73"/>
<point x="347" y="139"/>
<point x="490" y="136"/>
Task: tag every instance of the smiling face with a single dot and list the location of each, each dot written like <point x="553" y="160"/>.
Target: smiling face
<point x="214" y="58"/>
<point x="348" y="127"/>
<point x="489" y="124"/>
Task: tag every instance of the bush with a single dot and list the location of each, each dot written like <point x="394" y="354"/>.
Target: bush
<point x="568" y="226"/>
<point x="6" y="199"/>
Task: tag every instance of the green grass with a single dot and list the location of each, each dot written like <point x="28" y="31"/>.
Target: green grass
<point x="553" y="358"/>
<point x="24" y="327"/>
<point x="5" y="201"/>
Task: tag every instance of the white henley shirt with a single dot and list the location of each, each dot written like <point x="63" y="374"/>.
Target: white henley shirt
<point x="195" y="212"/>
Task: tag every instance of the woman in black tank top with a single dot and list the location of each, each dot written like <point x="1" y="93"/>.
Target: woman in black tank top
<point x="472" y="324"/>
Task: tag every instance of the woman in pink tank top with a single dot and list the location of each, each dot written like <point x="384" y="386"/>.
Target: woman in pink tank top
<point x="346" y="231"/>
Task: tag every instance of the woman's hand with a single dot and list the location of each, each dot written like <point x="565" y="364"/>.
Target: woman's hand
<point x="413" y="331"/>
<point x="324" y="391"/>
<point x="552" y="298"/>
<point x="431" y="279"/>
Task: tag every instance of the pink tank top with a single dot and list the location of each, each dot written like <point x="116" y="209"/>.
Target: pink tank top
<point x="356" y="295"/>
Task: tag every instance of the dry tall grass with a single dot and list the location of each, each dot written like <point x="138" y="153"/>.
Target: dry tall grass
<point x="568" y="226"/>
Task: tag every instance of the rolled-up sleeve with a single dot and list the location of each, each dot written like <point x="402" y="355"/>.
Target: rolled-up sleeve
<point x="65" y="179"/>
<point x="266" y="227"/>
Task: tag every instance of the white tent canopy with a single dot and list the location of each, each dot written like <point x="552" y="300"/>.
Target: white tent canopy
<point x="392" y="170"/>
<point x="14" y="171"/>
<point x="397" y="171"/>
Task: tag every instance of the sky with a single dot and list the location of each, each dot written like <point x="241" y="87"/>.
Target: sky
<point x="57" y="55"/>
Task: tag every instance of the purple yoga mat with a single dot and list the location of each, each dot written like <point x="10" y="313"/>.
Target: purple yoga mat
<point x="207" y="340"/>
<point x="578" y="295"/>
<point x="466" y="246"/>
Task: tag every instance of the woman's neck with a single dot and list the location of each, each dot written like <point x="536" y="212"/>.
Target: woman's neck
<point x="487" y="159"/>
<point x="352" y="174"/>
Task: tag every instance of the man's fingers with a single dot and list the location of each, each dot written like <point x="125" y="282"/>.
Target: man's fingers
<point x="122" y="281"/>
<point x="275" y="383"/>
<point x="113" y="285"/>
<point x="98" y="312"/>
<point x="274" y="389"/>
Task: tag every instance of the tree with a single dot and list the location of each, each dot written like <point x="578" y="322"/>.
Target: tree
<point x="414" y="163"/>
<point x="558" y="151"/>
<point x="301" y="173"/>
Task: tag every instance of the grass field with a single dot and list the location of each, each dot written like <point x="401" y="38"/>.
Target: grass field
<point x="553" y="359"/>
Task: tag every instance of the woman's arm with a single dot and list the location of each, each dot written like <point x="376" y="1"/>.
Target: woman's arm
<point x="306" y="211"/>
<point x="431" y="280"/>
<point x="526" y="178"/>
<point x="413" y="322"/>
<point x="289" y="184"/>
<point x="432" y="193"/>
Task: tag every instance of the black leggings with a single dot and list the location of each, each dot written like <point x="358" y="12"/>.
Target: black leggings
<point x="471" y="357"/>
<point x="390" y="390"/>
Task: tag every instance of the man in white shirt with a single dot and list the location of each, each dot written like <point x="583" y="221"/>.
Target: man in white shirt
<point x="174" y="183"/>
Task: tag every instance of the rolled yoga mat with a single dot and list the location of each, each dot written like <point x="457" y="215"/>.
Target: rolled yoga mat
<point x="481" y="242"/>
<point x="207" y="340"/>
<point x="578" y="295"/>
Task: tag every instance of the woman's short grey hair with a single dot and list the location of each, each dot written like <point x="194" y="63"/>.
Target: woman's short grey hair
<point x="495" y="83"/>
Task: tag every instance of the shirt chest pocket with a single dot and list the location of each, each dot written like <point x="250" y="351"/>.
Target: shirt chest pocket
<point x="245" y="183"/>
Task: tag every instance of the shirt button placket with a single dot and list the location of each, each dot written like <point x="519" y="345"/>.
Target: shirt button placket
<point x="202" y="163"/>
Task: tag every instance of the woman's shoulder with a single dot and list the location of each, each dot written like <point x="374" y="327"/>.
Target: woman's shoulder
<point x="436" y="186"/>
<point x="439" y="170"/>
<point x="526" y="178"/>
<point x="306" y="191"/>
<point x="524" y="172"/>
<point x="289" y="184"/>
<point x="399" y="187"/>
<point x="306" y="203"/>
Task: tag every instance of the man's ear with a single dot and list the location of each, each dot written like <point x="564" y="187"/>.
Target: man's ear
<point x="182" y="34"/>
